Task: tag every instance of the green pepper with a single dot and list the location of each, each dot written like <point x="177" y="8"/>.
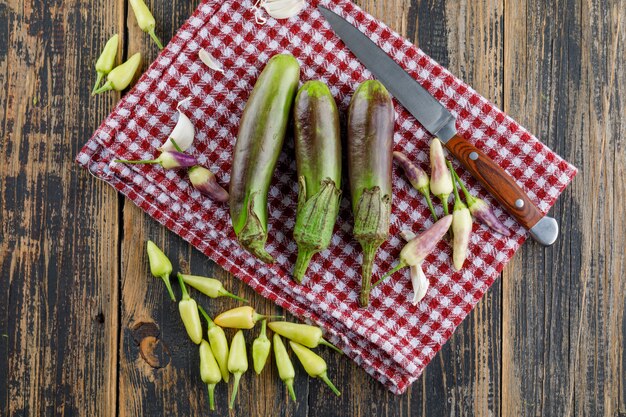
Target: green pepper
<point x="313" y="364"/>
<point x="240" y="318"/>
<point x="209" y="370"/>
<point x="145" y="19"/>
<point x="237" y="362"/>
<point x="209" y="286"/>
<point x="122" y="75"/>
<point x="283" y="363"/>
<point x="106" y="61"/>
<point x="260" y="349"/>
<point x="309" y="336"/>
<point x="188" y="309"/>
<point x="219" y="344"/>
<point x="160" y="266"/>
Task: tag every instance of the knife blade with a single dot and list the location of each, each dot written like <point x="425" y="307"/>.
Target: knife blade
<point x="437" y="120"/>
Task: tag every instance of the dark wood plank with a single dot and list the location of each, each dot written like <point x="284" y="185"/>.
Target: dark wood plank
<point x="58" y="225"/>
<point x="563" y="307"/>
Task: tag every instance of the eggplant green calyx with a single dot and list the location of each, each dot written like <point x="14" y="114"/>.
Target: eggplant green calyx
<point x="371" y="228"/>
<point x="315" y="220"/>
<point x="253" y="235"/>
<point x="160" y="266"/>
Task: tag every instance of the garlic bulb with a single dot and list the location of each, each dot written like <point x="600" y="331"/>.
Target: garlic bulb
<point x="209" y="61"/>
<point x="278" y="9"/>
<point x="182" y="134"/>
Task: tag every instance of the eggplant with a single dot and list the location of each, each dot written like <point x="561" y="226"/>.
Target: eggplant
<point x="318" y="161"/>
<point x="259" y="141"/>
<point x="370" y="158"/>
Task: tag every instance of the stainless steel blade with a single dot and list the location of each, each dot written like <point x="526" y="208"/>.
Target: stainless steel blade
<point x="424" y="107"/>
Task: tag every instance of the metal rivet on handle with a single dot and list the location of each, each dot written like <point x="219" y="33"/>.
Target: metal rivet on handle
<point x="473" y="156"/>
<point x="519" y="203"/>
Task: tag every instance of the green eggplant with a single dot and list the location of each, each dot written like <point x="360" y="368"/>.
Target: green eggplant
<point x="318" y="161"/>
<point x="370" y="158"/>
<point x="259" y="141"/>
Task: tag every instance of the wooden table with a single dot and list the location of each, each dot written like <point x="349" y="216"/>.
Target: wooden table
<point x="75" y="297"/>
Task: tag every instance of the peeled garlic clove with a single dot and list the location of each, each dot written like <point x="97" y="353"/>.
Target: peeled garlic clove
<point x="420" y="283"/>
<point x="182" y="134"/>
<point x="209" y="61"/>
<point x="283" y="9"/>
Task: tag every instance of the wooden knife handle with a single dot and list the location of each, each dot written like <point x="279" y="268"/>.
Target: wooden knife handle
<point x="501" y="185"/>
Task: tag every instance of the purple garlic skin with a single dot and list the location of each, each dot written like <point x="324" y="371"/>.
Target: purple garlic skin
<point x="204" y="181"/>
<point x="418" y="248"/>
<point x="481" y="211"/>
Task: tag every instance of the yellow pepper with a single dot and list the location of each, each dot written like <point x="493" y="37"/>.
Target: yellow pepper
<point x="237" y="362"/>
<point x="240" y="318"/>
<point x="309" y="336"/>
<point x="122" y="75"/>
<point x="219" y="344"/>
<point x="283" y="363"/>
<point x="209" y="370"/>
<point x="188" y="309"/>
<point x="313" y="364"/>
<point x="145" y="19"/>
<point x="260" y="349"/>
<point x="160" y="266"/>
<point x="209" y="286"/>
<point x="106" y="61"/>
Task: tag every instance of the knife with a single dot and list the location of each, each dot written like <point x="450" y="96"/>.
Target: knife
<point x="437" y="120"/>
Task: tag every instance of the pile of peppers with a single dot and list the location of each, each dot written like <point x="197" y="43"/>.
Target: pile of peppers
<point x="217" y="359"/>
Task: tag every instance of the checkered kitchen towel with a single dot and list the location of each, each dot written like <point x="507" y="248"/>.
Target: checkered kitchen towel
<point x="392" y="340"/>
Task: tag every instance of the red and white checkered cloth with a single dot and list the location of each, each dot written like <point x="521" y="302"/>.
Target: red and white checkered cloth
<point x="392" y="340"/>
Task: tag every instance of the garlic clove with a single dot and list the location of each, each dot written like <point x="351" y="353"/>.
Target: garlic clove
<point x="183" y="133"/>
<point x="283" y="9"/>
<point x="209" y="61"/>
<point x="420" y="283"/>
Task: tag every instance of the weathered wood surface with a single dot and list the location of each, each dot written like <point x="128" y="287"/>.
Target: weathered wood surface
<point x="76" y="312"/>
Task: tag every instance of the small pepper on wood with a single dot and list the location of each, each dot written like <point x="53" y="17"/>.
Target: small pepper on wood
<point x="313" y="364"/>
<point x="145" y="19"/>
<point x="309" y="336"/>
<point x="240" y="318"/>
<point x="106" y="61"/>
<point x="188" y="309"/>
<point x="260" y="349"/>
<point x="209" y="370"/>
<point x="219" y="344"/>
<point x="160" y="266"/>
<point x="121" y="76"/>
<point x="237" y="362"/>
<point x="283" y="363"/>
<point x="208" y="286"/>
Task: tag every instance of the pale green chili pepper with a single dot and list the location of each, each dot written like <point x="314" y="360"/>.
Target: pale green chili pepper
<point x="145" y="19"/>
<point x="122" y="75"/>
<point x="260" y="349"/>
<point x="241" y="318"/>
<point x="283" y="363"/>
<point x="106" y="61"/>
<point x="188" y="309"/>
<point x="309" y="336"/>
<point x="313" y="364"/>
<point x="237" y="362"/>
<point x="209" y="370"/>
<point x="219" y="344"/>
<point x="209" y="286"/>
<point x="160" y="266"/>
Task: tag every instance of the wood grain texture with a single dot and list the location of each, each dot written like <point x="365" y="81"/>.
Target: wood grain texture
<point x="86" y="331"/>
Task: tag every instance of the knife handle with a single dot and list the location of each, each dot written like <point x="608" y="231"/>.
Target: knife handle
<point x="501" y="185"/>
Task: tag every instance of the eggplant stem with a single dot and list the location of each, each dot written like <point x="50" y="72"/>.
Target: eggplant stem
<point x="369" y="253"/>
<point x="330" y="345"/>
<point x="302" y="263"/>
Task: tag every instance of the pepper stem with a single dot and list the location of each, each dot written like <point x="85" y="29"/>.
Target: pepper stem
<point x="263" y="334"/>
<point x="302" y="263"/>
<point x="155" y="38"/>
<point x="324" y="378"/>
<point x="394" y="270"/>
<point x="458" y="204"/>
<point x="258" y="317"/>
<point x="292" y="394"/>
<point x="444" y="202"/>
<point x="211" y="388"/>
<point x="206" y="316"/>
<point x="166" y="280"/>
<point x="178" y="148"/>
<point x="471" y="200"/>
<point x="108" y="86"/>
<point x="225" y="293"/>
<point x="330" y="345"/>
<point x="235" y="388"/>
<point x="145" y="161"/>
<point x="183" y="287"/>
<point x="98" y="81"/>
<point x="426" y="195"/>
